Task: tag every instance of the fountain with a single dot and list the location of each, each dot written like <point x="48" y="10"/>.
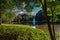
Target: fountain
<point x="34" y="23"/>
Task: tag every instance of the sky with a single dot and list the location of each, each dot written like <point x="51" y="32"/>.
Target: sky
<point x="36" y="9"/>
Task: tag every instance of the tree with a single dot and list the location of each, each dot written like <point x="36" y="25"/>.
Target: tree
<point x="7" y="17"/>
<point x="11" y="17"/>
<point x="21" y="19"/>
<point x="5" y="4"/>
<point x="4" y="17"/>
<point x="44" y="5"/>
<point x="51" y="3"/>
<point x="52" y="11"/>
<point x="49" y="26"/>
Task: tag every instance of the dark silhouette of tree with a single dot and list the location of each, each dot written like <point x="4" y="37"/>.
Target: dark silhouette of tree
<point x="21" y="19"/>
<point x="40" y="18"/>
<point x="30" y="20"/>
<point x="58" y="18"/>
<point x="24" y="20"/>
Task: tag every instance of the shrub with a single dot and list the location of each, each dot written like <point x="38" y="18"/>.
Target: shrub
<point x="22" y="33"/>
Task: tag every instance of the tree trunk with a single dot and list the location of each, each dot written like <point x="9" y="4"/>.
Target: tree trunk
<point x="53" y="25"/>
<point x="49" y="26"/>
<point x="0" y="18"/>
<point x="53" y="31"/>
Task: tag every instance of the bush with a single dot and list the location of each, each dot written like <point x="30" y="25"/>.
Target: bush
<point x="22" y="33"/>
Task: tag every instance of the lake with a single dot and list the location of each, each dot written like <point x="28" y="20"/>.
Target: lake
<point x="45" y="27"/>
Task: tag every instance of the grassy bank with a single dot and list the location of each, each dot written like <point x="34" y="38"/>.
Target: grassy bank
<point x="21" y="33"/>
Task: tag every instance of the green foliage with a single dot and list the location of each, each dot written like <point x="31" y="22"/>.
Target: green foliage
<point x="10" y="4"/>
<point x="6" y="4"/>
<point x="11" y="17"/>
<point x="22" y="33"/>
<point x="53" y="8"/>
<point x="7" y="17"/>
<point x="4" y="16"/>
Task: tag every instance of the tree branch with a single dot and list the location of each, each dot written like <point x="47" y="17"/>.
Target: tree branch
<point x="42" y="4"/>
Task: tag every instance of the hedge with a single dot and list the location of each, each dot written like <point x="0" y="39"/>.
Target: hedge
<point x="22" y="33"/>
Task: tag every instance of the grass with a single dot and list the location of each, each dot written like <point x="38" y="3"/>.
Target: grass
<point x="19" y="25"/>
<point x="21" y="32"/>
